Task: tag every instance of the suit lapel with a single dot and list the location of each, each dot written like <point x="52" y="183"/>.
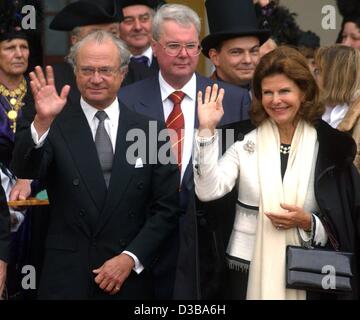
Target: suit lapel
<point x="150" y="102"/>
<point x="121" y="173"/>
<point x="77" y="134"/>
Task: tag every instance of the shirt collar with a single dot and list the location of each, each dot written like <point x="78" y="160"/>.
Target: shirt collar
<point x="189" y="88"/>
<point x="112" y="110"/>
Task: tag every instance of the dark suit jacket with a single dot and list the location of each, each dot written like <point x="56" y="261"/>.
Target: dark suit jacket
<point x="145" y="97"/>
<point x="4" y="227"/>
<point x="89" y="223"/>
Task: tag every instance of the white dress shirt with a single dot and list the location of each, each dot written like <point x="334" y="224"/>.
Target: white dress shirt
<point x="111" y="126"/>
<point x="334" y="115"/>
<point x="188" y="110"/>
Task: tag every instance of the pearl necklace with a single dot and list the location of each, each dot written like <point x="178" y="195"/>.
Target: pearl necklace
<point x="285" y="149"/>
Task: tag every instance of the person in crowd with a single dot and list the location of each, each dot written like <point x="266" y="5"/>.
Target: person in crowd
<point x="15" y="100"/>
<point x="338" y="75"/>
<point x="295" y="178"/>
<point x="307" y="44"/>
<point x="108" y="216"/>
<point x="136" y="30"/>
<point x="349" y="34"/>
<point x="176" y="45"/>
<point x="81" y="18"/>
<point x="234" y="41"/>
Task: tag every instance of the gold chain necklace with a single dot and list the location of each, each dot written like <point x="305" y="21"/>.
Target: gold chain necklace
<point x="14" y="98"/>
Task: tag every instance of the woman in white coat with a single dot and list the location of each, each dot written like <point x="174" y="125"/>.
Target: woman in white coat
<point x="274" y="168"/>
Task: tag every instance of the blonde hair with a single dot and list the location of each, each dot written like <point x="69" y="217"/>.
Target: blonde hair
<point x="339" y="68"/>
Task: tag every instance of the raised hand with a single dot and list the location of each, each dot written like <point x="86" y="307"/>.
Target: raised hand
<point x="210" y="111"/>
<point x="48" y="103"/>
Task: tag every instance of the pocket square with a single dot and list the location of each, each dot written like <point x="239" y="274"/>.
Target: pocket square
<point x="139" y="163"/>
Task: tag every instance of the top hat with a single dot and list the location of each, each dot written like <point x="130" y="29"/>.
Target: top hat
<point x="348" y="8"/>
<point x="10" y="20"/>
<point x="153" y="4"/>
<point x="231" y="19"/>
<point x="86" y="12"/>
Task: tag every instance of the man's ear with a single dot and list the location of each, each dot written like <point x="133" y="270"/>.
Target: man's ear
<point x="153" y="46"/>
<point x="73" y="39"/>
<point x="214" y="57"/>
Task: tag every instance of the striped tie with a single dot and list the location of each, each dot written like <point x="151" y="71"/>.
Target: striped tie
<point x="176" y="122"/>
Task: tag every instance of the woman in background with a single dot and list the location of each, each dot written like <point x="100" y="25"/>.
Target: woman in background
<point x="338" y="76"/>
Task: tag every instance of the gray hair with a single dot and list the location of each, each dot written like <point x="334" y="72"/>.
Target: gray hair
<point x="99" y="37"/>
<point x="178" y="13"/>
<point x="76" y="32"/>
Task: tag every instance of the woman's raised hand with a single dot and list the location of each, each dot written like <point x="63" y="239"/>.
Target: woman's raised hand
<point x="210" y="110"/>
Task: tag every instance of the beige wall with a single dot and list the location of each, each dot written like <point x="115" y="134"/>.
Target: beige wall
<point x="310" y="17"/>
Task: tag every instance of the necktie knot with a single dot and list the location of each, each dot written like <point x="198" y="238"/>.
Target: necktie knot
<point x="101" y="115"/>
<point x="141" y="59"/>
<point x="176" y="97"/>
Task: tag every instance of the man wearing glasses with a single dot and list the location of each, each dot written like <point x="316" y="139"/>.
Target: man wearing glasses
<point x="108" y="216"/>
<point x="136" y="30"/>
<point x="175" y="44"/>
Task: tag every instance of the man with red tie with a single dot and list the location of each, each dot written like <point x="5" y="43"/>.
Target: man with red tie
<point x="170" y="96"/>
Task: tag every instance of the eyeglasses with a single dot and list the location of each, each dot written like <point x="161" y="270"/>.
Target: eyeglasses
<point x="174" y="48"/>
<point x="102" y="71"/>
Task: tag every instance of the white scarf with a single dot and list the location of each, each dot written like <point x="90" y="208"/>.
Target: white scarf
<point x="267" y="268"/>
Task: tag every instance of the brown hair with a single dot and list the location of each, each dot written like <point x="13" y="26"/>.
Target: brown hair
<point x="339" y="68"/>
<point x="292" y="64"/>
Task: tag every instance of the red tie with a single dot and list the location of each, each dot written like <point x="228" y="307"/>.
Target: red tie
<point x="176" y="122"/>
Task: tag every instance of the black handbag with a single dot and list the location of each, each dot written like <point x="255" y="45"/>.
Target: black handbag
<point x="314" y="269"/>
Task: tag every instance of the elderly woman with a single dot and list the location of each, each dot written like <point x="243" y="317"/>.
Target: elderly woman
<point x="338" y="75"/>
<point x="294" y="174"/>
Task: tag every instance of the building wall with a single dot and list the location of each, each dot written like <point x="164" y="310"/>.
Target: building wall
<point x="310" y="17"/>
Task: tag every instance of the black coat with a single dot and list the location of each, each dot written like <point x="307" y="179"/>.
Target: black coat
<point x="337" y="192"/>
<point x="89" y="223"/>
<point x="4" y="227"/>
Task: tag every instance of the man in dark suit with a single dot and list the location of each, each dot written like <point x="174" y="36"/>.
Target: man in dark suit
<point x="233" y="45"/>
<point x="136" y="31"/>
<point x="111" y="210"/>
<point x="176" y="32"/>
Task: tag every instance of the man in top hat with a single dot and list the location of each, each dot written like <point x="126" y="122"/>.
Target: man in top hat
<point x="176" y="44"/>
<point x="136" y="30"/>
<point x="81" y="18"/>
<point x="234" y="40"/>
